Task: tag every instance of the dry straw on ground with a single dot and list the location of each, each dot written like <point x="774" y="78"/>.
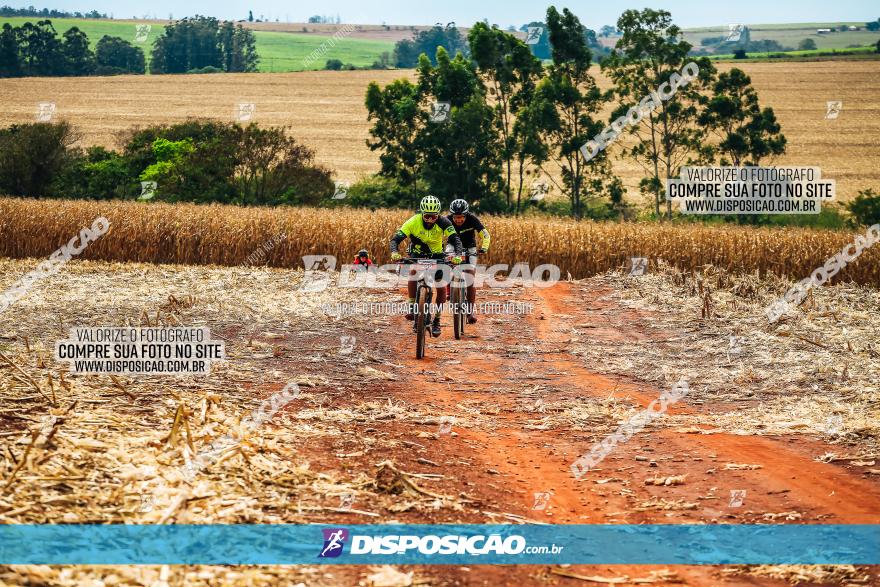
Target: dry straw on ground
<point x="96" y="449"/>
<point x="816" y="371"/>
<point x="228" y="235"/>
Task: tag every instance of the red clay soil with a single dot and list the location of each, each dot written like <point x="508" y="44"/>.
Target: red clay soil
<point x="502" y="462"/>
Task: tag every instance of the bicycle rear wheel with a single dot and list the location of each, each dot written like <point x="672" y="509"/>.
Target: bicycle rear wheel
<point x="458" y="309"/>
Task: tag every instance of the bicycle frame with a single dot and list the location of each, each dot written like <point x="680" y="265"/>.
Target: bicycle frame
<point x="424" y="296"/>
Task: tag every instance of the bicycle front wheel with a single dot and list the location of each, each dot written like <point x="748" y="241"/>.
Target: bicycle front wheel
<point x="421" y="321"/>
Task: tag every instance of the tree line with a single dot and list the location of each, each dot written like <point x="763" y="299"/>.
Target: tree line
<point x="199" y="44"/>
<point x="37" y="50"/>
<point x="513" y="121"/>
<point x="46" y="13"/>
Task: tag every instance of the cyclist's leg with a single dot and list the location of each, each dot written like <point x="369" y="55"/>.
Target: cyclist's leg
<point x="440" y="299"/>
<point x="411" y="292"/>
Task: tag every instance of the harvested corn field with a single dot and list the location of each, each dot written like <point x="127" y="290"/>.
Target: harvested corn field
<point x="474" y="433"/>
<point x="279" y="237"/>
<point x="325" y="111"/>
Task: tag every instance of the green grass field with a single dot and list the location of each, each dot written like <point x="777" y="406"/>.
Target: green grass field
<point x="278" y="52"/>
<point x="290" y="51"/>
<point x="864" y="52"/>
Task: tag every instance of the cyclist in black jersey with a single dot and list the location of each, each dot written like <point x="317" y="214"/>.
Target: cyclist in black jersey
<point x="467" y="226"/>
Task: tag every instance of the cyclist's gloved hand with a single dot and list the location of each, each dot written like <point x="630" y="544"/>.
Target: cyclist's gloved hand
<point x="395" y="256"/>
<point x="456" y="260"/>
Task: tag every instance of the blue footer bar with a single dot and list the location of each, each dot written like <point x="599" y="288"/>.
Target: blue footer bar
<point x="241" y="544"/>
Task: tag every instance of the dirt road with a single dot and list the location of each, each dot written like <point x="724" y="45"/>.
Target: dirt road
<point x="499" y="391"/>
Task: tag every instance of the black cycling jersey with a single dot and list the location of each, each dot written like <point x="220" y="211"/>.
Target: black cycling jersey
<point x="468" y="231"/>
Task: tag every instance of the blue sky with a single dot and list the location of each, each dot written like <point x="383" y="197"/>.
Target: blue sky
<point x="593" y="13"/>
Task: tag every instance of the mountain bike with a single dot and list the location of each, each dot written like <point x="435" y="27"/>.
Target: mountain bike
<point x="424" y="309"/>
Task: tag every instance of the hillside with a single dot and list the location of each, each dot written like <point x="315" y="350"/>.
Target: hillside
<point x="279" y="51"/>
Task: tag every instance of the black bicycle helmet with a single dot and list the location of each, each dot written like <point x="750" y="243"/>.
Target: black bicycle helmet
<point x="459" y="206"/>
<point x="363" y="253"/>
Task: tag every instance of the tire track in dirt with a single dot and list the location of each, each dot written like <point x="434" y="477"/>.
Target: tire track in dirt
<point x="788" y="467"/>
<point x="488" y="375"/>
<point x="527" y="460"/>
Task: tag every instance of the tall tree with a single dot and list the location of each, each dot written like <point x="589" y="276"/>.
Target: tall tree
<point x="116" y="55"/>
<point x="647" y="56"/>
<point x="10" y="60"/>
<point x="78" y="57"/>
<point x="461" y="153"/>
<point x="244" y="51"/>
<point x="568" y="98"/>
<point x="540" y="43"/>
<point x="511" y="72"/>
<point x="201" y="41"/>
<point x="746" y="133"/>
<point x="40" y="49"/>
<point x="531" y="151"/>
<point x="397" y="119"/>
<point x="186" y="44"/>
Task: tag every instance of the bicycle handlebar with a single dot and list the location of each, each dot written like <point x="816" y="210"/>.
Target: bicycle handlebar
<point x="416" y="260"/>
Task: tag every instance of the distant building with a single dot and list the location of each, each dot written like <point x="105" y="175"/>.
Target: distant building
<point x="854" y="28"/>
<point x="823" y="31"/>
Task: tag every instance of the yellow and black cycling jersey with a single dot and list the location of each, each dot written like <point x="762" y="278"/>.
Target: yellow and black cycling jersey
<point x="468" y="232"/>
<point x="426" y="241"/>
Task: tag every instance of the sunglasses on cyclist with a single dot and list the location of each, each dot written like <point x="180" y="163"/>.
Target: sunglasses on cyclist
<point x="430" y="216"/>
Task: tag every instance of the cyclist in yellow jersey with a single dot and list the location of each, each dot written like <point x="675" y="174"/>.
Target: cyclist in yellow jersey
<point x="426" y="231"/>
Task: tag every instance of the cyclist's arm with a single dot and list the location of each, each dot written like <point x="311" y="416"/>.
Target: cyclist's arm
<point x="401" y="235"/>
<point x="398" y="238"/>
<point x="485" y="239"/>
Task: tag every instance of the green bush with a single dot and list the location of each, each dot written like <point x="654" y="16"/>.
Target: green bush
<point x="210" y="161"/>
<point x="554" y="207"/>
<point x="865" y="208"/>
<point x="807" y="45"/>
<point x="333" y="64"/>
<point x="195" y="161"/>
<point x="205" y="174"/>
<point x="32" y="157"/>
<point x="99" y="175"/>
<point x="376" y="191"/>
<point x="273" y="168"/>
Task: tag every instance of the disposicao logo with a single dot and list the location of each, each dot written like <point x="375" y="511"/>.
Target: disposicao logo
<point x="334" y="541"/>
